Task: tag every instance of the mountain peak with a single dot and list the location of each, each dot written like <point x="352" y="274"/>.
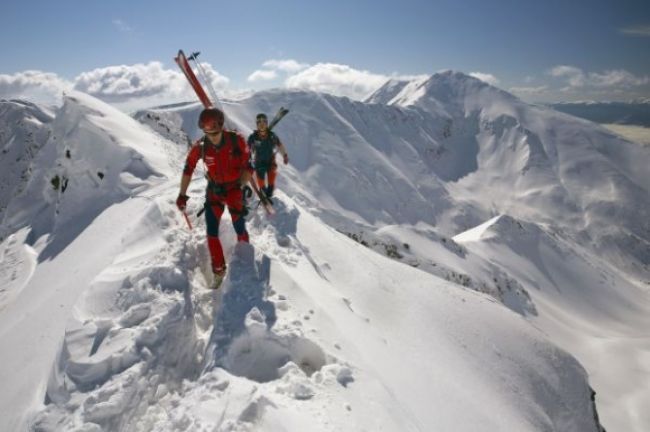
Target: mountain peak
<point x="446" y="93"/>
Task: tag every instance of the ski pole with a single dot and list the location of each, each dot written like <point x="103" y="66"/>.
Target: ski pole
<point x="204" y="76"/>
<point x="187" y="219"/>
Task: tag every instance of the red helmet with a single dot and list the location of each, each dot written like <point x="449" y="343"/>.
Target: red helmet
<point x="211" y="119"/>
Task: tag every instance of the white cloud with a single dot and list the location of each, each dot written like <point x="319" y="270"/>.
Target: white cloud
<point x="288" y="65"/>
<point x="486" y="77"/>
<point x="272" y="67"/>
<point x="641" y="30"/>
<point x="617" y="78"/>
<point x="119" y="83"/>
<point x="337" y="79"/>
<point x="575" y="76"/>
<point x="529" y="90"/>
<point x="613" y="80"/>
<point x="262" y="75"/>
<point x="34" y="85"/>
<point x="219" y="82"/>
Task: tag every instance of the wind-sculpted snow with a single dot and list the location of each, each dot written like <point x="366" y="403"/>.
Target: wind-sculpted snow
<point x="302" y="336"/>
<point x="137" y="341"/>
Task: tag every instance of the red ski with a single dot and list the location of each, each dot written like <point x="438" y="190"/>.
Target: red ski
<point x="181" y="61"/>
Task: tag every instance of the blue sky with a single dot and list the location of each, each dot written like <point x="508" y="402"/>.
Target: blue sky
<point x="540" y="50"/>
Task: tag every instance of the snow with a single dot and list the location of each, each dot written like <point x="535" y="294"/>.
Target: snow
<point x="18" y="261"/>
<point x="586" y="306"/>
<point x="435" y="257"/>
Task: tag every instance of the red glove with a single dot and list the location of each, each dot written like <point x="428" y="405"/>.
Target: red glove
<point x="285" y="158"/>
<point x="181" y="202"/>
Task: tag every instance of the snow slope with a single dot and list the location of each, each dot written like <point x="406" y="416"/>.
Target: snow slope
<point x="307" y="333"/>
<point x="435" y="157"/>
<point x="115" y="330"/>
<point x="585" y="305"/>
<point x="58" y="241"/>
<point x="24" y="129"/>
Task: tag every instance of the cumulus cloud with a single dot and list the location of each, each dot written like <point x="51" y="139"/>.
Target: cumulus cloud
<point x="288" y="65"/>
<point x="119" y="83"/>
<point x="486" y="77"/>
<point x="219" y="82"/>
<point x="36" y="85"/>
<point x="612" y="79"/>
<point x="641" y="30"/>
<point x="337" y="79"/>
<point x="272" y="68"/>
<point x="262" y="75"/>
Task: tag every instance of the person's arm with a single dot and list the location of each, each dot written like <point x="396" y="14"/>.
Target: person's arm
<point x="185" y="183"/>
<point x="282" y="149"/>
<point x="247" y="168"/>
<point x="190" y="163"/>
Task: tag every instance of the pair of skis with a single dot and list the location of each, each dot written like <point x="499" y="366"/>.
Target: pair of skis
<point x="278" y="116"/>
<point x="184" y="65"/>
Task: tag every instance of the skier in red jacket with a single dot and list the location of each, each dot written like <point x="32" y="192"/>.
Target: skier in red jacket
<point x="227" y="163"/>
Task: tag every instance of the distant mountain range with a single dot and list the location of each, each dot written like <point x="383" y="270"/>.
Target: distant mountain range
<point x="626" y="113"/>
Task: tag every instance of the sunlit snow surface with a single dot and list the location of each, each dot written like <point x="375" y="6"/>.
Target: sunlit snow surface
<point x="427" y="254"/>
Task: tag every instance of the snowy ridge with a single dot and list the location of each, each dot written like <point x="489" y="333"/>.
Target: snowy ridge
<point x="459" y="154"/>
<point x="298" y="331"/>
<point x="310" y="320"/>
<point x="546" y="167"/>
<point x="387" y="92"/>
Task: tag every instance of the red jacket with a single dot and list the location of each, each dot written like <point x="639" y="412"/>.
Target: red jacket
<point x="225" y="163"/>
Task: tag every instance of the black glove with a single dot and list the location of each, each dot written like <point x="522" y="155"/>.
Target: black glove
<point x="181" y="202"/>
<point x="248" y="192"/>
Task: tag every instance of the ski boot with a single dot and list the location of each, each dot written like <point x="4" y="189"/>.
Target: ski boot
<point x="219" y="275"/>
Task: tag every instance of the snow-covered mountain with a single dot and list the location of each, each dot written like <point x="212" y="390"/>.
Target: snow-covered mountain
<point x="314" y="330"/>
<point x="455" y="152"/>
<point x="24" y="129"/>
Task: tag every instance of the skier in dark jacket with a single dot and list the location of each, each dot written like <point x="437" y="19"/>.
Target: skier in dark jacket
<point x="227" y="163"/>
<point x="263" y="144"/>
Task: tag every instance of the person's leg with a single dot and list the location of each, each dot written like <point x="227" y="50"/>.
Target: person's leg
<point x="213" y="214"/>
<point x="272" y="174"/>
<point x="235" y="201"/>
<point x="259" y="177"/>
